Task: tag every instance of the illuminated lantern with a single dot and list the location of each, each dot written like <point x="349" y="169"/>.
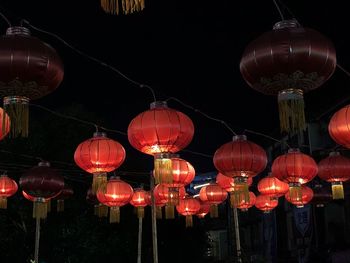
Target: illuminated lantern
<point x="228" y="183"/>
<point x="265" y="203"/>
<point x="246" y="204"/>
<point x="66" y="193"/>
<point x="42" y="183"/>
<point x="336" y="170"/>
<point x="338" y="127"/>
<point x="188" y="207"/>
<point x="213" y="194"/>
<point x="273" y="187"/>
<point x="240" y="159"/>
<point x="307" y="195"/>
<point x="161" y="131"/>
<point x="29" y="69"/>
<point x="99" y="156"/>
<point x="139" y="201"/>
<point x="115" y="194"/>
<point x="5" y="124"/>
<point x="204" y="209"/>
<point x="8" y="187"/>
<point x="159" y="203"/>
<point x="289" y="61"/>
<point x="116" y="7"/>
<point x="294" y="168"/>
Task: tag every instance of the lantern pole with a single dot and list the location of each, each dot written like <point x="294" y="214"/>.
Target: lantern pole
<point x="238" y="240"/>
<point x="154" y="221"/>
<point x="37" y="239"/>
<point x="139" y="245"/>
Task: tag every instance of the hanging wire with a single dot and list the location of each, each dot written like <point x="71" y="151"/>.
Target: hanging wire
<point x="198" y="153"/>
<point x="278" y="9"/>
<point x="6" y="19"/>
<point x="98" y="61"/>
<point x="267" y="136"/>
<point x="287" y="8"/>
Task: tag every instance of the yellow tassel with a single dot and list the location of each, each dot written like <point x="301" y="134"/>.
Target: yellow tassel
<point x="295" y="192"/>
<point x="114" y="215"/>
<point x="3" y="202"/>
<point x="163" y="170"/>
<point x="140" y="212"/>
<point x="40" y="210"/>
<point x="189" y="221"/>
<point x="159" y="212"/>
<point x="241" y="192"/>
<point x="98" y="180"/>
<point x="104" y="210"/>
<point x="48" y="205"/>
<point x="169" y="212"/>
<point x="142" y="2"/>
<point x="60" y="206"/>
<point x="17" y="108"/>
<point x="337" y="190"/>
<point x="214" y="211"/>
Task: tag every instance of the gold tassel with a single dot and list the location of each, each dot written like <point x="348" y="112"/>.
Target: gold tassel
<point x="337" y="190"/>
<point x="40" y="209"/>
<point x="169" y="212"/>
<point x="48" y="206"/>
<point x="159" y="212"/>
<point x="98" y="180"/>
<point x="114" y="215"/>
<point x="140" y="212"/>
<point x="291" y="110"/>
<point x="295" y="192"/>
<point x="163" y="169"/>
<point x="241" y="192"/>
<point x="60" y="206"/>
<point x="189" y="221"/>
<point x="104" y="210"/>
<point x="142" y="2"/>
<point x="214" y="211"/>
<point x="3" y="202"/>
<point x="17" y="108"/>
<point x="125" y="6"/>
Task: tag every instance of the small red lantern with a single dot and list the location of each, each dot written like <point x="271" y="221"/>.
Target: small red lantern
<point x="29" y="69"/>
<point x="115" y="193"/>
<point x="246" y="204"/>
<point x="339" y="128"/>
<point x="66" y="193"/>
<point x="8" y="187"/>
<point x="161" y="131"/>
<point x="204" y="210"/>
<point x="99" y="155"/>
<point x="294" y="168"/>
<point x="41" y="182"/>
<point x="139" y="201"/>
<point x="188" y="207"/>
<point x="273" y="187"/>
<point x="213" y="194"/>
<point x="307" y="195"/>
<point x="5" y="124"/>
<point x="265" y="203"/>
<point x="289" y="61"/>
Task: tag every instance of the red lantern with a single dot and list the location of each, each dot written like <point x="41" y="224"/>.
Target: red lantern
<point x="139" y="201"/>
<point x="294" y="168"/>
<point x="289" y="61"/>
<point x="99" y="155"/>
<point x="8" y="187"/>
<point x="29" y="69"/>
<point x="213" y="194"/>
<point x="115" y="194"/>
<point x="5" y="124"/>
<point x="273" y="187"/>
<point x="228" y="183"/>
<point x="336" y="170"/>
<point x="338" y="127"/>
<point x="159" y="203"/>
<point x="204" y="210"/>
<point x="66" y="193"/>
<point x="41" y="182"/>
<point x="265" y="203"/>
<point x="161" y="131"/>
<point x="246" y="204"/>
<point x="188" y="207"/>
<point x="307" y="195"/>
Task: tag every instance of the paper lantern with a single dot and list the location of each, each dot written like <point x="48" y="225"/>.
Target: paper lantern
<point x="188" y="207"/>
<point x="246" y="204"/>
<point x="214" y="195"/>
<point x="307" y="195"/>
<point x="265" y="203"/>
<point x="8" y="187"/>
<point x="339" y="128"/>
<point x="139" y="201"/>
<point x="273" y="187"/>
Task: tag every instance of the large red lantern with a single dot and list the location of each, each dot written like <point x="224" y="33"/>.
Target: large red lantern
<point x="117" y="7"/>
<point x="294" y="168"/>
<point x="265" y="203"/>
<point x="336" y="170"/>
<point x="246" y="204"/>
<point x="115" y="193"/>
<point x="5" y="124"/>
<point x="188" y="207"/>
<point x="288" y="61"/>
<point x="8" y="187"/>
<point x="339" y="128"/>
<point x="273" y="187"/>
<point x="99" y="155"/>
<point x="307" y="195"/>
<point x="158" y="201"/>
<point x="66" y="193"/>
<point x="41" y="182"/>
<point x="213" y="194"/>
<point x="161" y="131"/>
<point x="139" y="201"/>
<point x="29" y="69"/>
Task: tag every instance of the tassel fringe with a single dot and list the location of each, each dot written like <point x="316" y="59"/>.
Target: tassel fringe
<point x="114" y="215"/>
<point x="214" y="211"/>
<point x="163" y="171"/>
<point x="337" y="190"/>
<point x="169" y="212"/>
<point x="3" y="203"/>
<point x="189" y="221"/>
<point x="98" y="180"/>
<point x="116" y="7"/>
<point x="159" y="212"/>
<point x="17" y="108"/>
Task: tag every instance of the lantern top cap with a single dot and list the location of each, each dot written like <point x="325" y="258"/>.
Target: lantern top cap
<point x="158" y="104"/>
<point x="334" y="153"/>
<point x="163" y="156"/>
<point x="18" y="30"/>
<point x="292" y="23"/>
<point x="239" y="138"/>
<point x="100" y="134"/>
<point x="293" y="150"/>
<point x="44" y="164"/>
<point x="114" y="177"/>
